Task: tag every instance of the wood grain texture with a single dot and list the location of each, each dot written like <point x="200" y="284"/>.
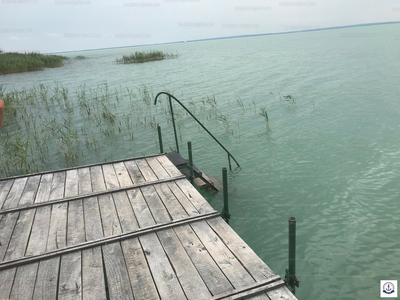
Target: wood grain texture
<point x="15" y="193"/>
<point x="93" y="283"/>
<point x="194" y="196"/>
<point x="226" y="260"/>
<point x="209" y="271"/>
<point x="142" y="283"/>
<point x="157" y="208"/>
<point x="43" y="193"/>
<point x="6" y="281"/>
<point x="183" y="199"/>
<point x="168" y="166"/>
<point x="7" y="224"/>
<point x="47" y="279"/>
<point x="145" y="169"/>
<point x="5" y="187"/>
<point x="122" y="175"/>
<point x="70" y="284"/>
<point x="24" y="282"/>
<point x="189" y="278"/>
<point x="117" y="274"/>
<point x="169" y="200"/>
<point x="31" y="188"/>
<point x="134" y="172"/>
<point x="157" y="168"/>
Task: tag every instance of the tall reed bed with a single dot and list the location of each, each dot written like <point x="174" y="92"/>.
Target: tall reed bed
<point x="14" y="62"/>
<point x="141" y="57"/>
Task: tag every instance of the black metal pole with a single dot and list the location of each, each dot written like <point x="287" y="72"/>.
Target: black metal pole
<point x="190" y="161"/>
<point x="173" y="123"/>
<point x="290" y="277"/>
<point x="160" y="139"/>
<point x="225" y="211"/>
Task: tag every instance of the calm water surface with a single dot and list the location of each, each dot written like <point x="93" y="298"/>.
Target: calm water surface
<point x="331" y="160"/>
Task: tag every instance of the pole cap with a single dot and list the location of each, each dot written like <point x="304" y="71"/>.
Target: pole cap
<point x="292" y="219"/>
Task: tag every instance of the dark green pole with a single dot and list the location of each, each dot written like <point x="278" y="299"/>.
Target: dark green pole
<point x="290" y="277"/>
<point x="225" y="211"/>
<point x="229" y="160"/>
<point x="190" y="161"/>
<point x="160" y="139"/>
<point x="173" y="123"/>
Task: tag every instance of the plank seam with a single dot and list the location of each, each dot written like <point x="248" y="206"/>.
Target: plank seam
<point x="106" y="240"/>
<point x="90" y="195"/>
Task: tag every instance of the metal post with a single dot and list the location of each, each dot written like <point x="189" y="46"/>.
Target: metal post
<point x="160" y="139"/>
<point x="290" y="276"/>
<point x="225" y="212"/>
<point x="173" y="123"/>
<point x="229" y="161"/>
<point x="190" y="161"/>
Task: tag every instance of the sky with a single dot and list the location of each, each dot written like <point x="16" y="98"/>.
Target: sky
<point x="49" y="26"/>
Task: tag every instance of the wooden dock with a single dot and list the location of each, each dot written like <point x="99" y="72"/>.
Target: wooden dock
<point x="131" y="229"/>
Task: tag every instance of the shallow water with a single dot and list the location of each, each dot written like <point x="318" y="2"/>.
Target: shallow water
<point x="331" y="160"/>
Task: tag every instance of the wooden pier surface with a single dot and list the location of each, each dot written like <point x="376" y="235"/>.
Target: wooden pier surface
<point x="132" y="229"/>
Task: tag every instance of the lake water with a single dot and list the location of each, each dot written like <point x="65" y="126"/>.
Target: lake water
<point x="331" y="159"/>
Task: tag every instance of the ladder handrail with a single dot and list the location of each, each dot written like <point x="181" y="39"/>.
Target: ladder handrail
<point x="173" y="122"/>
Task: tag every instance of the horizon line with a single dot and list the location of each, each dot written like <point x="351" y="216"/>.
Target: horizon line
<point x="236" y="36"/>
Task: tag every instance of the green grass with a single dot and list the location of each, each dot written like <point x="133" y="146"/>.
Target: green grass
<point x="14" y="62"/>
<point x="141" y="57"/>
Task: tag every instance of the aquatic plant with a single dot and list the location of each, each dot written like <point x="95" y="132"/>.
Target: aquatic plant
<point x="265" y="115"/>
<point x="14" y="62"/>
<point x="141" y="57"/>
<point x="80" y="57"/>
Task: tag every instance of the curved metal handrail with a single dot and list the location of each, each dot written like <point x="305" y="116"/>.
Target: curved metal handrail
<point x="173" y="122"/>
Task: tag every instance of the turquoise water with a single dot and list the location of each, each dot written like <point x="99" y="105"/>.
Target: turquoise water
<point x="331" y="159"/>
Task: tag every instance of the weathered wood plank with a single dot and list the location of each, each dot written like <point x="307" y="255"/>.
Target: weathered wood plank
<point x="139" y="205"/>
<point x="30" y="191"/>
<point x="183" y="200"/>
<point x="212" y="275"/>
<point x="24" y="282"/>
<point x="96" y="174"/>
<point x="57" y="186"/>
<point x="232" y="268"/>
<point x="5" y="187"/>
<point x="93" y="283"/>
<point x="40" y="230"/>
<point x="157" y="208"/>
<point x="7" y="224"/>
<point x="157" y="168"/>
<point x="117" y="274"/>
<point x="47" y="279"/>
<point x="134" y="172"/>
<point x="19" y="239"/>
<point x="75" y="223"/>
<point x="110" y="178"/>
<point x="6" y="281"/>
<point x="110" y="221"/>
<point x="142" y="283"/>
<point x="58" y="227"/>
<point x="186" y="272"/>
<point x="145" y="169"/>
<point x="84" y="181"/>
<point x="257" y="268"/>
<point x="125" y="212"/>
<point x="70" y="285"/>
<point x="15" y="193"/>
<point x="70" y="273"/>
<point x="93" y="225"/>
<point x="194" y="196"/>
<point x="43" y="193"/>
<point x="122" y="174"/>
<point x="168" y="166"/>
<point x="173" y="206"/>
<point x="164" y="276"/>
<point x="71" y="183"/>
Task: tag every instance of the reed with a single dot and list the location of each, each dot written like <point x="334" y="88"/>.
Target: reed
<point x="14" y="62"/>
<point x="265" y="115"/>
<point x="141" y="57"/>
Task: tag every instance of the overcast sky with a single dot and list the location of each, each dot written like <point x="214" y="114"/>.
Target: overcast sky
<point x="68" y="25"/>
